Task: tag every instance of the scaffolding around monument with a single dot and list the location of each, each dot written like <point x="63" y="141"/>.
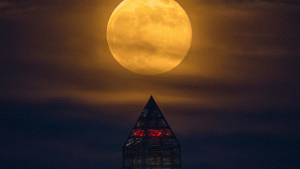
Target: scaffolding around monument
<point x="151" y="144"/>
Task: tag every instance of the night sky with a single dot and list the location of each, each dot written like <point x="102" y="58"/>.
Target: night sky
<point x="233" y="102"/>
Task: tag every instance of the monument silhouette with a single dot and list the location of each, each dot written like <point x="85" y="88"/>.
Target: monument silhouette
<point x="151" y="143"/>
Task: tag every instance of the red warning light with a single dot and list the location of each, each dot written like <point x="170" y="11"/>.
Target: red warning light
<point x="151" y="132"/>
<point x="168" y="133"/>
<point x="155" y="133"/>
<point x="139" y="133"/>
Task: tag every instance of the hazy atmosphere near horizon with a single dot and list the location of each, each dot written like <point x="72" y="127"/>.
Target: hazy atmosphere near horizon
<point x="233" y="101"/>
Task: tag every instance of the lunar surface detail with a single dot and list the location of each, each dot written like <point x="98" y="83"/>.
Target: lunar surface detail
<point x="149" y="36"/>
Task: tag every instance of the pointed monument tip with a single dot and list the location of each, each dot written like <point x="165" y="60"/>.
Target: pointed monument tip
<point x="151" y="99"/>
<point x="151" y="102"/>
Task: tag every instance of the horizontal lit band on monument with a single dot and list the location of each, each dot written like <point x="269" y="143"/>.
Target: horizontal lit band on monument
<point x="151" y="132"/>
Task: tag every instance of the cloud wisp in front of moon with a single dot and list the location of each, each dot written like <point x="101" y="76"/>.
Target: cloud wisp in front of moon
<point x="149" y="36"/>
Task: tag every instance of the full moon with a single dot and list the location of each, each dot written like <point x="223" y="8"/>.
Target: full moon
<point x="149" y="36"/>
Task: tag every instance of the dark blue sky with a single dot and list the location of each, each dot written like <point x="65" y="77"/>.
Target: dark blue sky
<point x="233" y="102"/>
<point x="54" y="134"/>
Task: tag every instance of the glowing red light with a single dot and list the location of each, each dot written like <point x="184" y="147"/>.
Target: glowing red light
<point x="139" y="133"/>
<point x="168" y="133"/>
<point x="151" y="132"/>
<point x="155" y="132"/>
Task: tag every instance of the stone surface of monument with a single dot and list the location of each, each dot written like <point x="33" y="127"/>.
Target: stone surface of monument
<point x="151" y="143"/>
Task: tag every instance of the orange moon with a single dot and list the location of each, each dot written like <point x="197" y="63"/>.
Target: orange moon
<point x="149" y="36"/>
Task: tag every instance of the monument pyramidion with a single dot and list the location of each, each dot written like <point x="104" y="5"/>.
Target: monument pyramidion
<point x="151" y="143"/>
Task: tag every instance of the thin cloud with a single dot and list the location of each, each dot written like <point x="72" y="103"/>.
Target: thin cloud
<point x="9" y="9"/>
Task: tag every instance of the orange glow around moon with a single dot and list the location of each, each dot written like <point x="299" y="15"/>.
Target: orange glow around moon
<point x="149" y="36"/>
